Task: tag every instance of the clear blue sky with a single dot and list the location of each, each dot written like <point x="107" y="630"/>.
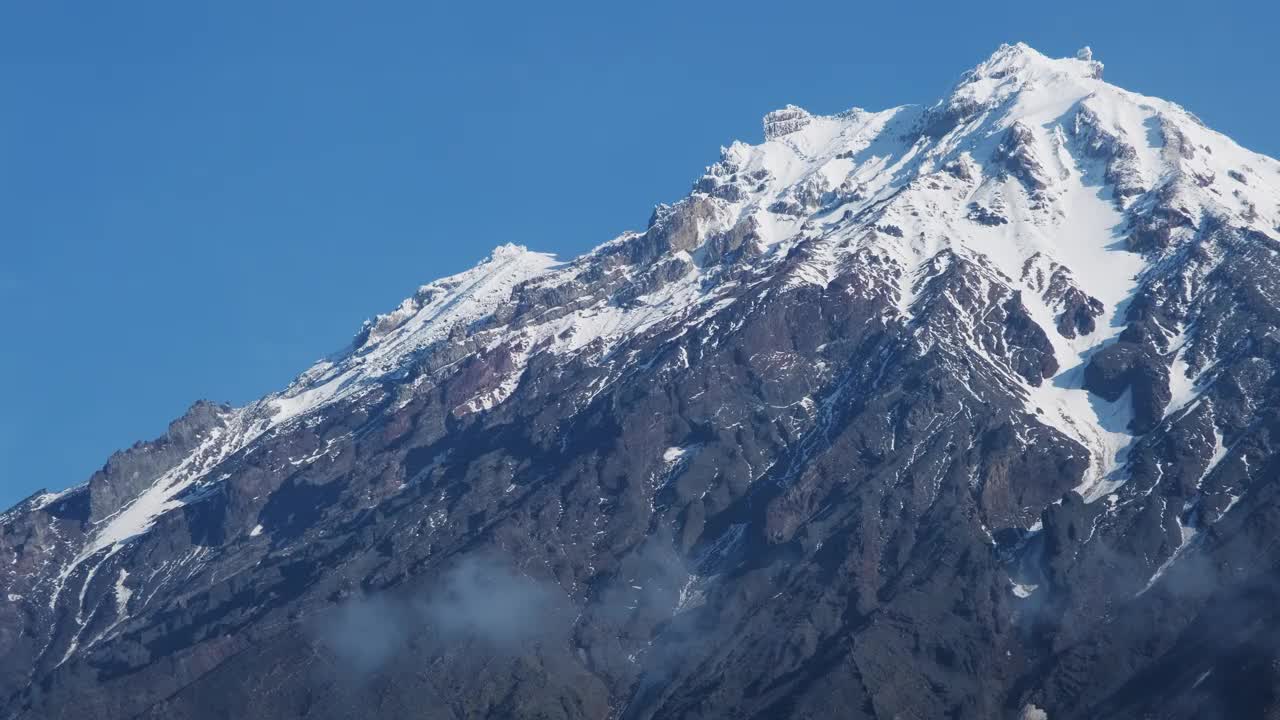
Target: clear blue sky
<point x="199" y="199"/>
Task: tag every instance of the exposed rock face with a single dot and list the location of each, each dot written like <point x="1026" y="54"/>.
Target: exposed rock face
<point x="1077" y="311"/>
<point x="1129" y="367"/>
<point x="131" y="471"/>
<point x="785" y="121"/>
<point x="966" y="411"/>
<point x="1017" y="153"/>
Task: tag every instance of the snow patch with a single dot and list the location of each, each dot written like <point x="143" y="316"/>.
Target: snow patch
<point x="1024" y="591"/>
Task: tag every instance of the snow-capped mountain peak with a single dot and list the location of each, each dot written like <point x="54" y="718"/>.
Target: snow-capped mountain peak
<point x="1025" y="158"/>
<point x="1003" y="348"/>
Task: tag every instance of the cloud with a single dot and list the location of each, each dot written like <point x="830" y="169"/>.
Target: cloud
<point x="480" y="598"/>
<point x="483" y="598"/>
<point x="366" y="632"/>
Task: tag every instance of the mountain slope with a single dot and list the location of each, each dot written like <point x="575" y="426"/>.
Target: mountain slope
<point x="961" y="410"/>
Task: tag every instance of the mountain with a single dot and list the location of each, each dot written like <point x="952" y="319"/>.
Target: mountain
<point x="966" y="410"/>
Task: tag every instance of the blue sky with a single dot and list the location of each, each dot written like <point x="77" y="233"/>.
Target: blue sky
<point x="198" y="200"/>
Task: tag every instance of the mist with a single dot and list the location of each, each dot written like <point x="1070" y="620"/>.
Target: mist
<point x="479" y="599"/>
